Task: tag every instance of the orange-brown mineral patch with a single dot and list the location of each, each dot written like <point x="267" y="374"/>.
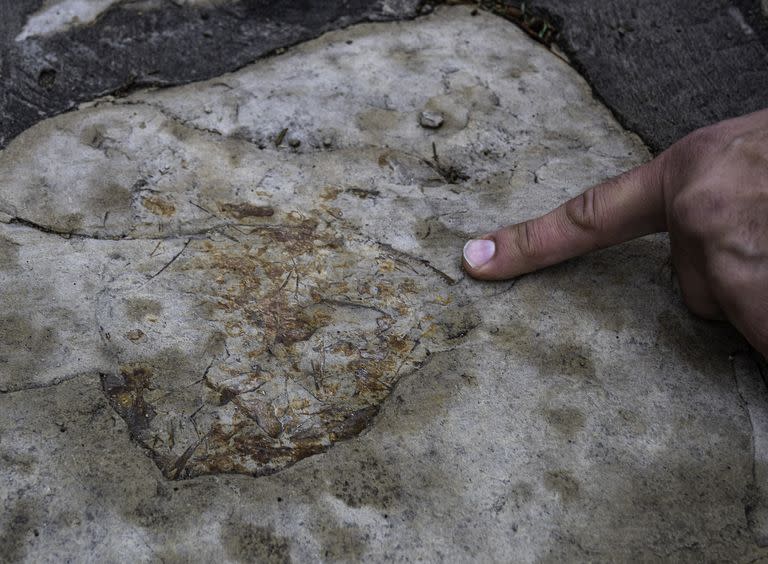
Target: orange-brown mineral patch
<point x="158" y="205"/>
<point x="317" y="325"/>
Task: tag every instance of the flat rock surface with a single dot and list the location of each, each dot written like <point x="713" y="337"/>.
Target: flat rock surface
<point x="236" y="328"/>
<point x="55" y="54"/>
<point x="684" y="64"/>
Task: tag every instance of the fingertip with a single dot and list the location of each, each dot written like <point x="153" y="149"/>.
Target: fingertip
<point x="497" y="255"/>
<point x="483" y="257"/>
<point x="478" y="252"/>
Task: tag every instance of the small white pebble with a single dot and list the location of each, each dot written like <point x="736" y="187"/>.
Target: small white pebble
<point x="430" y="119"/>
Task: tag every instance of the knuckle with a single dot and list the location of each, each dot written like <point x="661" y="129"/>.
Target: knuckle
<point x="753" y="138"/>
<point x="705" y="139"/>
<point x="684" y="213"/>
<point x="697" y="211"/>
<point x="527" y="240"/>
<point x="751" y="147"/>
<point x="741" y="141"/>
<point x="582" y="211"/>
<point x="696" y="147"/>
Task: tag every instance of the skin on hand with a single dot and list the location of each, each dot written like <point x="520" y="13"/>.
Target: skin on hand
<point x="709" y="191"/>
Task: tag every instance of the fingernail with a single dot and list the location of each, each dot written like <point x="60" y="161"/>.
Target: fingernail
<point x="478" y="251"/>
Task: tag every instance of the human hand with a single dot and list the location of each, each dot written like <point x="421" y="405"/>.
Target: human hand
<point x="709" y="190"/>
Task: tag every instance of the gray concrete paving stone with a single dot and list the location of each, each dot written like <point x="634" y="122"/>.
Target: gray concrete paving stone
<point x="170" y="254"/>
<point x="664" y="68"/>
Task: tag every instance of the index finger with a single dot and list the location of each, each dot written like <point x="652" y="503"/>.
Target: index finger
<point x="617" y="210"/>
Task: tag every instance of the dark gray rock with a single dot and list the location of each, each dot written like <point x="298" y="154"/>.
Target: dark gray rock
<point x="667" y="68"/>
<point x="134" y="45"/>
<point x="664" y="69"/>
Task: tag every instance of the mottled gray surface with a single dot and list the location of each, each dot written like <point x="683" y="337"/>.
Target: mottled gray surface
<point x="667" y="68"/>
<point x="51" y="63"/>
<point x="683" y="64"/>
<point x="580" y="413"/>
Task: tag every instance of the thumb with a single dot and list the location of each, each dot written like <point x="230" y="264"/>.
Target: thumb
<point x="620" y="209"/>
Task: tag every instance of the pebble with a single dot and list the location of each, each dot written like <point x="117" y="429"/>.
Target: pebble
<point x="327" y="142"/>
<point x="294" y="142"/>
<point x="431" y="120"/>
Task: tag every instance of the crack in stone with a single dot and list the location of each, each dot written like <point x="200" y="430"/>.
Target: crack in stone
<point x="191" y="235"/>
<point x="63" y="234"/>
<point x="755" y="499"/>
<point x="170" y="262"/>
<point x="42" y="386"/>
<point x="423" y="261"/>
<point x="745" y="407"/>
<point x="175" y="118"/>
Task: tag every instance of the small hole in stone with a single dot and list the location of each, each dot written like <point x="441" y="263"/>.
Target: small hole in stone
<point x="279" y="499"/>
<point x="46" y="78"/>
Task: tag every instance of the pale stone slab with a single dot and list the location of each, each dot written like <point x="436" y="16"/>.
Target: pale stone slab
<point x="202" y="251"/>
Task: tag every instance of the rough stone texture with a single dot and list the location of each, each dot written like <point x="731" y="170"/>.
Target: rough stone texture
<point x="51" y="62"/>
<point x="164" y="255"/>
<point x="667" y="68"/>
<point x="682" y="64"/>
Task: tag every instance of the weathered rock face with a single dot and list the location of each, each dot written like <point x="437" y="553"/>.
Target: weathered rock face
<point x="235" y="275"/>
<point x="59" y="53"/>
<point x="298" y="330"/>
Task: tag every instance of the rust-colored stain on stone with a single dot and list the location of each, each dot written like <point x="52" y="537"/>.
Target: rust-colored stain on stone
<point x="313" y="327"/>
<point x="158" y="205"/>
